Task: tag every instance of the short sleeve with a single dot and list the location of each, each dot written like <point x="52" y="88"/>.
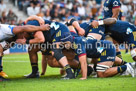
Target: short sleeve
<point x="80" y="48"/>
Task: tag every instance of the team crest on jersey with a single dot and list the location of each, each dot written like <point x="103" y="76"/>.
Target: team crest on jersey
<point x="129" y="30"/>
<point x="115" y="3"/>
<point x="100" y="49"/>
<point x="79" y="51"/>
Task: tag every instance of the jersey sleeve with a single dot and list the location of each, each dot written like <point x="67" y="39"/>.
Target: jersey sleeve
<point x="80" y="48"/>
<point x="115" y="3"/>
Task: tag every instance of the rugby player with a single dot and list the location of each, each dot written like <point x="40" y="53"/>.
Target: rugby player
<point x="4" y="46"/>
<point x="112" y="9"/>
<point x="9" y="31"/>
<point x="104" y="51"/>
<point x="96" y="33"/>
<point x="58" y="33"/>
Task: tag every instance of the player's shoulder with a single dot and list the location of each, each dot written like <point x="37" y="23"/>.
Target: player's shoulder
<point x="82" y="40"/>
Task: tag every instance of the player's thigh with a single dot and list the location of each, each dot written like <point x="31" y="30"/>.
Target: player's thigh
<point x="70" y="54"/>
<point x="102" y="67"/>
<point x="52" y="62"/>
<point x="34" y="48"/>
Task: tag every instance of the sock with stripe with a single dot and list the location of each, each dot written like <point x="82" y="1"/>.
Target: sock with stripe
<point x="68" y="69"/>
<point x="34" y="68"/>
<point x="118" y="54"/>
<point x="122" y="68"/>
<point x="123" y="62"/>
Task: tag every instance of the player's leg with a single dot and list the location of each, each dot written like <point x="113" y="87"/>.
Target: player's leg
<point x="44" y="64"/>
<point x="118" y="52"/>
<point x="126" y="49"/>
<point x="119" y="61"/>
<point x="57" y="52"/>
<point x="52" y="62"/>
<point x="34" y="61"/>
<point x="104" y="70"/>
<point x="1" y="53"/>
<point x="2" y="74"/>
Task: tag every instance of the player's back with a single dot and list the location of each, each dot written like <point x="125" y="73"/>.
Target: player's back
<point x="87" y="44"/>
<point x="122" y="27"/>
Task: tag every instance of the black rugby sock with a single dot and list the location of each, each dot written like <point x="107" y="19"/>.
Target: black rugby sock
<point x="34" y="68"/>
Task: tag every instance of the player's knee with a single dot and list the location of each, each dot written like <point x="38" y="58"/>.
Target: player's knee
<point x="134" y="58"/>
<point x="57" y="53"/>
<point x="50" y="63"/>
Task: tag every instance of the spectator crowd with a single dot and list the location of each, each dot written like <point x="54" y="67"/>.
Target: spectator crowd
<point x="62" y="10"/>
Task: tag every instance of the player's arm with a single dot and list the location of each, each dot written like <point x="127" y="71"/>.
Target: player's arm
<point x="81" y="52"/>
<point x="115" y="12"/>
<point x="76" y="25"/>
<point x="34" y="17"/>
<point x="38" y="38"/>
<point x="30" y="28"/>
<point x="108" y="21"/>
<point x="115" y="8"/>
<point x="82" y="60"/>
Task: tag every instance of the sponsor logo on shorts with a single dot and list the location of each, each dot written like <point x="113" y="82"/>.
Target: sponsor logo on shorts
<point x="110" y="58"/>
<point x="100" y="31"/>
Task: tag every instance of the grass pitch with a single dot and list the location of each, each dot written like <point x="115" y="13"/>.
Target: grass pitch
<point x="17" y="65"/>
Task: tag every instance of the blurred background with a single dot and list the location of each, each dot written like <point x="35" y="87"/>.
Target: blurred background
<point x="14" y="12"/>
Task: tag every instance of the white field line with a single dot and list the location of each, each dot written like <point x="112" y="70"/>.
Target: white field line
<point x="13" y="57"/>
<point x="19" y="61"/>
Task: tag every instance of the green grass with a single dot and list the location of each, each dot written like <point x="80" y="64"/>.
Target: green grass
<point x="17" y="65"/>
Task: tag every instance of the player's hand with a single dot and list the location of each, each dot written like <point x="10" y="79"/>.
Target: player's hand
<point x="21" y="41"/>
<point x="41" y="21"/>
<point x="81" y="32"/>
<point x="95" y="24"/>
<point x="45" y="27"/>
<point x="83" y="78"/>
